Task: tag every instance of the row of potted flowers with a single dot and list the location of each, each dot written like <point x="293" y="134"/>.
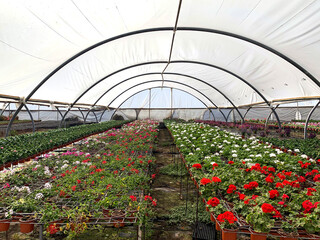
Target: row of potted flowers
<point x="103" y="179"/>
<point x="255" y="126"/>
<point x="23" y="146"/>
<point x="251" y="185"/>
<point x="308" y="146"/>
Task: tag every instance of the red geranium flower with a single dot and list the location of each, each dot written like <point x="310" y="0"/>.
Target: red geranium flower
<point x="73" y="188"/>
<point x="231" y="188"/>
<point x="216" y="179"/>
<point x="307" y="205"/>
<point x="227" y="216"/>
<point x="267" y="208"/>
<point x="205" y="181"/>
<point x="273" y="193"/>
<point x="317" y="178"/>
<point x="310" y="190"/>
<point x="251" y="185"/>
<point x="231" y="162"/>
<point x="197" y="166"/>
<point x="213" y="202"/>
<point x="269" y="179"/>
<point x="53" y="229"/>
<point x="133" y="198"/>
<point x="279" y="185"/>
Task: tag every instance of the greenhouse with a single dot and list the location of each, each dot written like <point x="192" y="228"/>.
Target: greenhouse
<point x="160" y="119"/>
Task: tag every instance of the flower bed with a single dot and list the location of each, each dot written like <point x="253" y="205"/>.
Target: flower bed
<point x="254" y="126"/>
<point x="69" y="191"/>
<point x="27" y="145"/>
<point x="251" y="186"/>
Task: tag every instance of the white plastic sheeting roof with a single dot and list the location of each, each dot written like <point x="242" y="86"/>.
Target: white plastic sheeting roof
<point x="250" y="50"/>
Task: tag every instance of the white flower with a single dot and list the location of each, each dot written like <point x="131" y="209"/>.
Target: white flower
<point x="191" y="153"/>
<point x="234" y="151"/>
<point x="198" y="149"/>
<point x="47" y="186"/>
<point x="259" y="155"/>
<point x="272" y="155"/>
<point x="297" y="150"/>
<point x="304" y="156"/>
<point x="38" y="196"/>
<point x="217" y="154"/>
<point x="64" y="166"/>
<point x="234" y="155"/>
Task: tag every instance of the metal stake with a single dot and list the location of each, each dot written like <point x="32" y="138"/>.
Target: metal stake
<point x="187" y="196"/>
<point x="41" y="232"/>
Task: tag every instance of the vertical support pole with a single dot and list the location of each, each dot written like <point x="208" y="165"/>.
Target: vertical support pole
<point x="33" y="126"/>
<point x="12" y="119"/>
<point x="308" y="119"/>
<point x="41" y="232"/>
<point x="180" y="179"/>
<point x="186" y="213"/>
<point x="171" y="104"/>
<point x="149" y="101"/>
<point x="197" y="213"/>
<point x="38" y="112"/>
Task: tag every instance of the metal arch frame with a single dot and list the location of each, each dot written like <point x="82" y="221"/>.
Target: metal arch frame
<point x="229" y="113"/>
<point x="308" y="119"/>
<point x="245" y="114"/>
<point x="267" y="120"/>
<point x="102" y="114"/>
<point x="240" y="78"/>
<point x="229" y="34"/>
<point x="81" y="113"/>
<point x="32" y="121"/>
<point x="91" y="110"/>
<point x="2" y="111"/>
<point x="172" y="62"/>
<point x="179" y="83"/>
<point x="172" y="73"/>
<point x="109" y="75"/>
<point x="115" y="110"/>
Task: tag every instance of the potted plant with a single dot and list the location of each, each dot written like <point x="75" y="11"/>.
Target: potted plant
<point x="228" y="224"/>
<point x="5" y="220"/>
